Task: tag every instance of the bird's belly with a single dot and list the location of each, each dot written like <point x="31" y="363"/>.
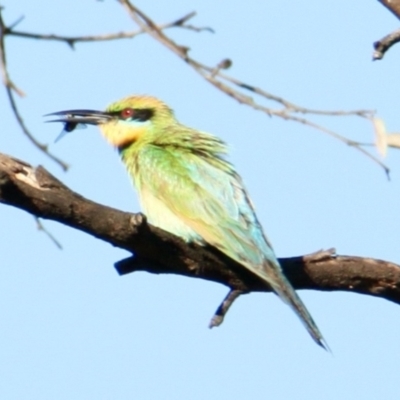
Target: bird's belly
<point x="158" y="214"/>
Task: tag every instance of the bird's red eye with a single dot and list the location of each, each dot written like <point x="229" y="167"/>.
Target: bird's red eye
<point x="127" y="113"/>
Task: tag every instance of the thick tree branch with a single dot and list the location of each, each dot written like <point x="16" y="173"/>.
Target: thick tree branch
<point x="393" y="6"/>
<point x="383" y="45"/>
<point x="39" y="193"/>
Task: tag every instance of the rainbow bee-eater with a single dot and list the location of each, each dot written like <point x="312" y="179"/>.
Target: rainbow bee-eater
<point x="188" y="188"/>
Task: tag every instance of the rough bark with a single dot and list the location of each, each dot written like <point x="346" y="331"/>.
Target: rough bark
<point x="39" y="193"/>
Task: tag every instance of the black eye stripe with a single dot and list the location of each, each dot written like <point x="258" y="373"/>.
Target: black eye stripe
<point x="143" y="114"/>
<point x="139" y="114"/>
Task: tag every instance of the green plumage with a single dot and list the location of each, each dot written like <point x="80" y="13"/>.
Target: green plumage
<point x="186" y="187"/>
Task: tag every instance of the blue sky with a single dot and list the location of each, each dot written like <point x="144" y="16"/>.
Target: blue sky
<point x="72" y="328"/>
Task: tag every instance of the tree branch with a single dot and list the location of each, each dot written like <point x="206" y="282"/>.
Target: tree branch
<point x="392" y="5"/>
<point x="383" y="45"/>
<point x="239" y="90"/>
<point x="39" y="193"/>
<point x="72" y="40"/>
<point x="228" y="85"/>
<point x="10" y="89"/>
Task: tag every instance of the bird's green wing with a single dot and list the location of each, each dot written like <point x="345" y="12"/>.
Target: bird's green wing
<point x="208" y="198"/>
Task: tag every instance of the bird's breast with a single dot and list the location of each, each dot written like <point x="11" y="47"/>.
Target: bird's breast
<point x="160" y="215"/>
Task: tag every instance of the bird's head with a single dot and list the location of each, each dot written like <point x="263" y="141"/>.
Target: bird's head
<point x="124" y="122"/>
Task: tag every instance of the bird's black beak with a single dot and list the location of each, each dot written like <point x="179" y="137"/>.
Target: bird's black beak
<point x="74" y="117"/>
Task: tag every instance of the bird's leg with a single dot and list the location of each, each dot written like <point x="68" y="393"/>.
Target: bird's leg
<point x="223" y="308"/>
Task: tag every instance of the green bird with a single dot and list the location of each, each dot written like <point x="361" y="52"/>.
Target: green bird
<point x="188" y="188"/>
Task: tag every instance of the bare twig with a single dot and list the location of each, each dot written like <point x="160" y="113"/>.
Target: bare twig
<point x="41" y="227"/>
<point x="72" y="40"/>
<point x="3" y="63"/>
<point x="213" y="74"/>
<point x="15" y="23"/>
<point x="42" y="147"/>
<point x="294" y="107"/>
<point x="10" y="88"/>
<point x="221" y="81"/>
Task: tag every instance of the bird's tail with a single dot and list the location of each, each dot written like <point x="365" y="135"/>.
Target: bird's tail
<point x="282" y="287"/>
